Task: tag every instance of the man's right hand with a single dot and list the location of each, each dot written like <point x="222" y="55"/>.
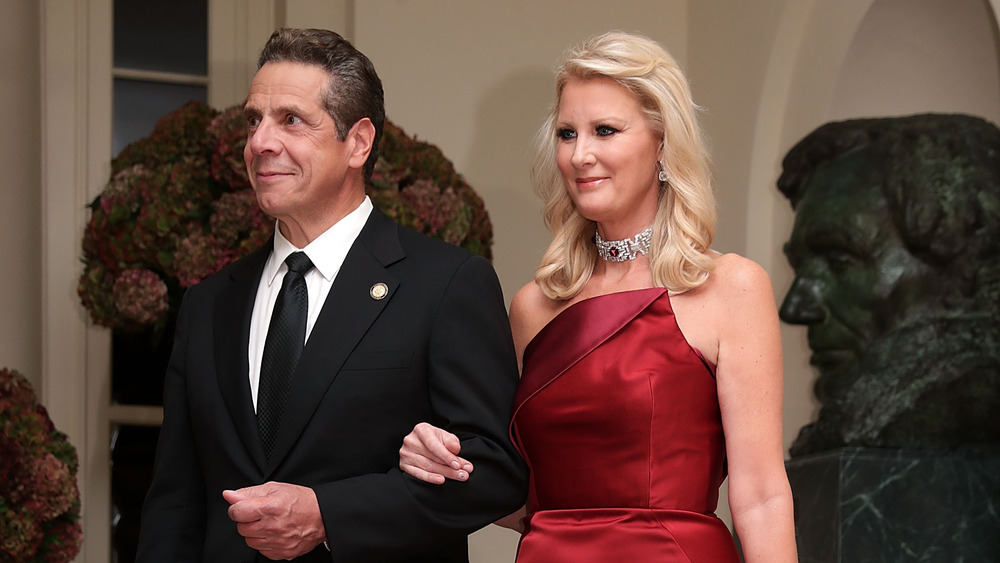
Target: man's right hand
<point x="431" y="455"/>
<point x="280" y="520"/>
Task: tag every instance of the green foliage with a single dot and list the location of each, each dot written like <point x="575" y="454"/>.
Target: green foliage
<point x="39" y="498"/>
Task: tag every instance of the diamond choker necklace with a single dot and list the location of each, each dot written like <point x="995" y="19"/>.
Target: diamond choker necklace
<point x="622" y="250"/>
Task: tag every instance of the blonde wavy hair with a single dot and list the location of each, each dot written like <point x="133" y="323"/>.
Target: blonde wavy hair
<point x="685" y="220"/>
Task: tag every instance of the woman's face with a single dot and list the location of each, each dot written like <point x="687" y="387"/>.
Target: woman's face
<point x="607" y="153"/>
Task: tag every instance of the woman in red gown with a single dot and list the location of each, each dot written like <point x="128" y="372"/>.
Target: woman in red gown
<point x="651" y="365"/>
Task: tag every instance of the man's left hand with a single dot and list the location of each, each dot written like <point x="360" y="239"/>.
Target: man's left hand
<point x="280" y="520"/>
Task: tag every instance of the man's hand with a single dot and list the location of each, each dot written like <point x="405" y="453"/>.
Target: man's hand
<point x="280" y="520"/>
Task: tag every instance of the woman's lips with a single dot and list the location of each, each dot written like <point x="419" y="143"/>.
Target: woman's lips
<point x="588" y="182"/>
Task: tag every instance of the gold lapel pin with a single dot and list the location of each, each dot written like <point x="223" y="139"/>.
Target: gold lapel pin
<point x="379" y="291"/>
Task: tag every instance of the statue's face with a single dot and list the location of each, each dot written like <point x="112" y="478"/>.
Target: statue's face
<point x="854" y="279"/>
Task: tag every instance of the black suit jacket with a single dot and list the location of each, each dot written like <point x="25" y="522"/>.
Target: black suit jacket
<point x="437" y="348"/>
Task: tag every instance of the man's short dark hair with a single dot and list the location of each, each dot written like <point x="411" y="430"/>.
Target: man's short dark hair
<point x="354" y="90"/>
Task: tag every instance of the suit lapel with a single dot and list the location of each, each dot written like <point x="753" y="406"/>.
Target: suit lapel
<point x="233" y="310"/>
<point x="349" y="310"/>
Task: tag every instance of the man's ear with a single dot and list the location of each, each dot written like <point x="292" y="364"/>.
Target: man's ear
<point x="360" y="140"/>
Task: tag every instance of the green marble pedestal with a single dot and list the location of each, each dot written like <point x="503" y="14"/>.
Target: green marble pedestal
<point x="859" y="505"/>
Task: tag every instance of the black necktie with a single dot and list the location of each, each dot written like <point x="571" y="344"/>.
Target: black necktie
<point x="286" y="337"/>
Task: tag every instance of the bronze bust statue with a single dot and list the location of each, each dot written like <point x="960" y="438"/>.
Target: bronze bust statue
<point x="896" y="252"/>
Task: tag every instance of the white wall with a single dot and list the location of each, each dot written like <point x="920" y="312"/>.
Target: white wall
<point x="20" y="191"/>
<point x="905" y="58"/>
<point x="730" y="43"/>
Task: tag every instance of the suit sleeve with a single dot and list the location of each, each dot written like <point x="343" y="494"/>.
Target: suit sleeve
<point x="472" y="380"/>
<point x="173" y="514"/>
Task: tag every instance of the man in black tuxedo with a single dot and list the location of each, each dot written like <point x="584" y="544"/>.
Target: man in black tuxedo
<point x="271" y="449"/>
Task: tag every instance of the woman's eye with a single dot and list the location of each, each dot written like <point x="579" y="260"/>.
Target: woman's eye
<point x="605" y="131"/>
<point x="565" y="134"/>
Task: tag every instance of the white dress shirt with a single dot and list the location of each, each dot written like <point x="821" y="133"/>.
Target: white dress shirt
<point x="327" y="253"/>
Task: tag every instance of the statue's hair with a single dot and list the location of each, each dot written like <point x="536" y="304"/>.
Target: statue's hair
<point x="685" y="220"/>
<point x="941" y="181"/>
<point x="354" y="90"/>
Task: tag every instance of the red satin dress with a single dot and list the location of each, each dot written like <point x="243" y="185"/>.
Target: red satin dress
<point x="618" y="419"/>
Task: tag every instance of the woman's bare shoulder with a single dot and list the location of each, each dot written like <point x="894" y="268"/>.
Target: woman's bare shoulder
<point x="735" y="282"/>
<point x="735" y="275"/>
<point x="737" y="291"/>
<point x="740" y="293"/>
<point x="530" y="311"/>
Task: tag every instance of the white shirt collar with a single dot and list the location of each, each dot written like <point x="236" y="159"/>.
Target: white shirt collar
<point x="328" y="250"/>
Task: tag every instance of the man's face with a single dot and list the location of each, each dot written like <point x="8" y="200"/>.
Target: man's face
<point x="854" y="279"/>
<point x="296" y="162"/>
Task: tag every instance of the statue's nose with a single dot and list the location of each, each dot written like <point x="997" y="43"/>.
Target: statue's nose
<point x="802" y="304"/>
